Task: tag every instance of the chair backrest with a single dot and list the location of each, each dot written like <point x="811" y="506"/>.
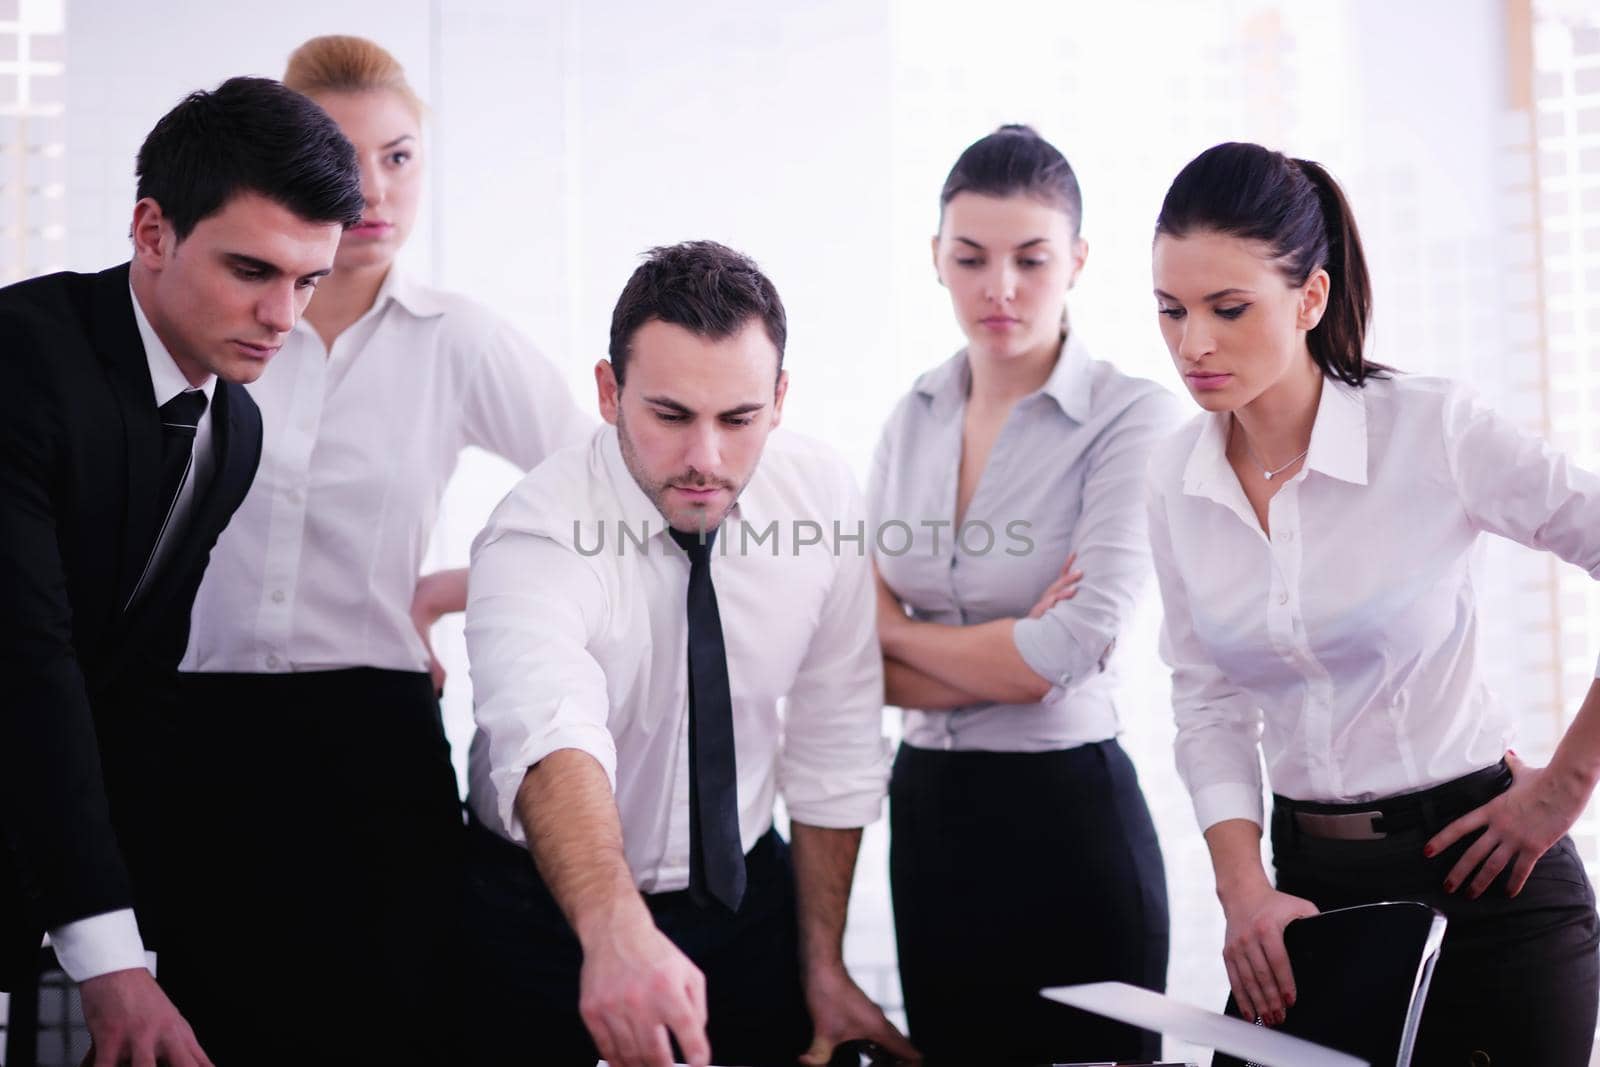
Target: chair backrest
<point x="1361" y="976"/>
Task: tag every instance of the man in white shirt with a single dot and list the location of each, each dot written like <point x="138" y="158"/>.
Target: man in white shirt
<point x="638" y="609"/>
<point x="127" y="440"/>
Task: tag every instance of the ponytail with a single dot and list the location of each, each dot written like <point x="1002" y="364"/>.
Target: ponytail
<point x="1338" y="342"/>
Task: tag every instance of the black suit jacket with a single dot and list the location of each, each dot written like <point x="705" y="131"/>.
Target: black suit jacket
<point x="85" y="683"/>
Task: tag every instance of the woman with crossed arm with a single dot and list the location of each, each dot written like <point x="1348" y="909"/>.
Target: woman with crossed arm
<point x="1022" y="853"/>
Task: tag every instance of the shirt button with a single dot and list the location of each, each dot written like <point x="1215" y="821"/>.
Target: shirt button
<point x="273" y="662"/>
<point x="293" y="495"/>
<point x="1288" y="535"/>
<point x="1283" y="598"/>
<point x="277" y="596"/>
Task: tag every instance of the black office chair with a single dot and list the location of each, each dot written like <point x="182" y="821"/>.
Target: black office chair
<point x="1361" y="976"/>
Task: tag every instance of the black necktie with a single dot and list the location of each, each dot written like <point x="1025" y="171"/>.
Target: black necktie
<point x="716" y="855"/>
<point x="180" y="417"/>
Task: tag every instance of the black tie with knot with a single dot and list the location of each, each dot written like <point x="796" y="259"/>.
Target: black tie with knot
<point x="180" y="418"/>
<point x="716" y="854"/>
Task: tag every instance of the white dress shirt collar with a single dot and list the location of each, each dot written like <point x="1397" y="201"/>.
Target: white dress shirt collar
<point x="1338" y="445"/>
<point x="165" y="376"/>
<point x="420" y="301"/>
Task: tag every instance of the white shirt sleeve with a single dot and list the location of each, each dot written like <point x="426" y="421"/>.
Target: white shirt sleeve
<point x="518" y="405"/>
<point x="533" y="608"/>
<point x="833" y="764"/>
<point x="1513" y="483"/>
<point x="100" y="944"/>
<point x="1219" y="726"/>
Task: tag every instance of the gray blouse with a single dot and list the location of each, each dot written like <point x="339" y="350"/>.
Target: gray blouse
<point x="1067" y="473"/>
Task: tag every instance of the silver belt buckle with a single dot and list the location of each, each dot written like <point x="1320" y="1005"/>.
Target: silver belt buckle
<point x="1346" y="826"/>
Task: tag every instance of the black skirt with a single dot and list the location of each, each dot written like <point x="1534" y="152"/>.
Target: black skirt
<point x="315" y="840"/>
<point x="1016" y="871"/>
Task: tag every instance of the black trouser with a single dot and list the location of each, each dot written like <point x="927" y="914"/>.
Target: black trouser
<point x="523" y="962"/>
<point x="1016" y="871"/>
<point x="316" y="870"/>
<point x="1518" y="978"/>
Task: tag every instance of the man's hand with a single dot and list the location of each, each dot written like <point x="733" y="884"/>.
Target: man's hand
<point x="131" y="1020"/>
<point x="1519" y="826"/>
<point x="841" y="1012"/>
<point x="635" y="987"/>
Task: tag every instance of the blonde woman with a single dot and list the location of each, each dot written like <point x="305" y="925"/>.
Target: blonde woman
<point x="321" y="870"/>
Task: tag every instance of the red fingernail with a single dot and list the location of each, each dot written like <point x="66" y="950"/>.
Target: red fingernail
<point x="1428" y="851"/>
<point x="1449" y="887"/>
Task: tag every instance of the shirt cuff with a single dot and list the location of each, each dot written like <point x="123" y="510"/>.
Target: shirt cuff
<point x="1227" y="800"/>
<point x="835" y="801"/>
<point x="99" y="945"/>
<point x="853" y="812"/>
<point x="1033" y="638"/>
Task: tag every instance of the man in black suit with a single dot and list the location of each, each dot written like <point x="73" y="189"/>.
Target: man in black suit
<point x="127" y="440"/>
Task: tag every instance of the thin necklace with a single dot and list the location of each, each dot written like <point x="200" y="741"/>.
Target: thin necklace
<point x="1267" y="472"/>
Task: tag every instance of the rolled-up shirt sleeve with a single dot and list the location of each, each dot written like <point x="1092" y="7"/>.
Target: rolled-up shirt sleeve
<point x="833" y="766"/>
<point x="1070" y="642"/>
<point x="533" y="609"/>
<point x="1218" y="745"/>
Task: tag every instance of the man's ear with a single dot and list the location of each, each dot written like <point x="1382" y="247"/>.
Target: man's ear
<point x="608" y="390"/>
<point x="154" y="239"/>
<point x="778" y="394"/>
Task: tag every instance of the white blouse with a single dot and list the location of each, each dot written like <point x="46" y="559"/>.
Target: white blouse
<point x="1345" y="645"/>
<point x="318" y="567"/>
<point x="1066" y="474"/>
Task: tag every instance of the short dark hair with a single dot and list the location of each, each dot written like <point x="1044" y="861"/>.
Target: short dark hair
<point x="1015" y="161"/>
<point x="705" y="287"/>
<point x="1295" y="209"/>
<point x="249" y="135"/>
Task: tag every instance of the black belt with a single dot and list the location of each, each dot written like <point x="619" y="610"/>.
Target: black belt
<point x="1425" y="812"/>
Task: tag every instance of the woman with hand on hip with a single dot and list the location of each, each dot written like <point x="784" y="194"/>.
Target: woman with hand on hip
<point x="328" y="843"/>
<point x="1022" y="854"/>
<point x="1312" y="533"/>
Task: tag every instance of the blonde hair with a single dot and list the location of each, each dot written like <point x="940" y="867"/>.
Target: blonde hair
<point x="342" y="64"/>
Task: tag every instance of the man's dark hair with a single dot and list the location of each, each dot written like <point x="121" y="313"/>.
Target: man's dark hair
<point x="702" y="286"/>
<point x="249" y="135"/>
